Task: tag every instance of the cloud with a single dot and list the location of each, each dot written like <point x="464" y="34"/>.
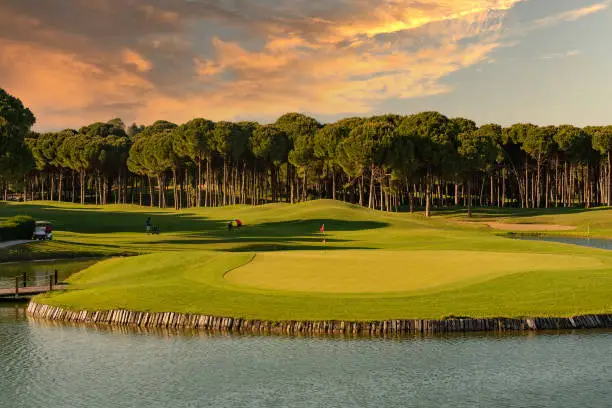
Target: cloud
<point x="64" y="90"/>
<point x="560" y="55"/>
<point x="571" y="15"/>
<point x="145" y="60"/>
<point x="133" y="58"/>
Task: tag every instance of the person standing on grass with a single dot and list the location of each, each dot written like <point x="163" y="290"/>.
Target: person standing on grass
<point x="148" y="225"/>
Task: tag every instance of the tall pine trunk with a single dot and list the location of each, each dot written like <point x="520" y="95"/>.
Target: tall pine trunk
<point x="456" y="194"/>
<point x="609" y="184"/>
<point x="73" y="187"/>
<point x="428" y="195"/>
<point x="371" y="198"/>
<point x="361" y="191"/>
<point x="60" y="189"/>
<point x="469" y="197"/>
<point x="503" y="203"/>
<point x="492" y="201"/>
<point x="333" y="174"/>
<point x="175" y="189"/>
<point x="199" y="192"/>
<point x="82" y="180"/>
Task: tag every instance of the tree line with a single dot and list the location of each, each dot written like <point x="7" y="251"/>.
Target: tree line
<point x="386" y="162"/>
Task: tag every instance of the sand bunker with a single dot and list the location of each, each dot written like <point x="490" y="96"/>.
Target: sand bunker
<point x="529" y="227"/>
<point x="520" y="227"/>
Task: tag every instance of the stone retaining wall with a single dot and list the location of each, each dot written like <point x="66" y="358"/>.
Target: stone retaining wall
<point x="321" y="327"/>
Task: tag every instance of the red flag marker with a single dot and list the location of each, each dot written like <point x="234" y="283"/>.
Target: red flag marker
<point x="322" y="229"/>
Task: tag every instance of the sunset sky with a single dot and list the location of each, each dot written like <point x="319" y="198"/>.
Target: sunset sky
<point x="75" y="62"/>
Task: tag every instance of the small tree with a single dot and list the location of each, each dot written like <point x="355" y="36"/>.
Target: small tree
<point x="270" y="144"/>
<point x="15" y="124"/>
<point x="326" y="143"/>
<point x="194" y="140"/>
<point x="434" y="137"/>
<point x="476" y="151"/>
<point x="300" y="130"/>
<point x="230" y="142"/>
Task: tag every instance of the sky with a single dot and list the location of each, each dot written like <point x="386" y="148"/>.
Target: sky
<point x="75" y="62"/>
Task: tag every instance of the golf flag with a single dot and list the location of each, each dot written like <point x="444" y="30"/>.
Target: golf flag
<point x="322" y="229"/>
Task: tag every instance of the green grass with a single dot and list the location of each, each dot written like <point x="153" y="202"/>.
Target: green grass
<point x="376" y="265"/>
<point x="383" y="271"/>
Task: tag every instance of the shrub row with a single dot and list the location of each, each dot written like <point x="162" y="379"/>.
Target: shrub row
<point x="19" y="227"/>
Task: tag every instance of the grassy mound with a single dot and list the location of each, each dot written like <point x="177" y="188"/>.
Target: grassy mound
<point x="376" y="265"/>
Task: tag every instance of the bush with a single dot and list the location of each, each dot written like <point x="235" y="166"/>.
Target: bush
<point x="19" y="227"/>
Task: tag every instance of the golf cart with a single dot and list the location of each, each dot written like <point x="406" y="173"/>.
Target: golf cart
<point x="43" y="231"/>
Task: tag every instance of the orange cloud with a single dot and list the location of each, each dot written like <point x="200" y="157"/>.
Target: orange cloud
<point x="133" y="58"/>
<point x="335" y="63"/>
<point x="318" y="75"/>
<point x="400" y="15"/>
<point x="60" y="88"/>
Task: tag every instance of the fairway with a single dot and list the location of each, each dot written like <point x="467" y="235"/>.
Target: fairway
<point x="392" y="271"/>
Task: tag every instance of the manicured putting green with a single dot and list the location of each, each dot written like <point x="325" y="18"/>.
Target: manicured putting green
<point x="392" y="271"/>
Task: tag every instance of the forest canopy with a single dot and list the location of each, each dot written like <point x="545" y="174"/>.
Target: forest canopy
<point x="384" y="162"/>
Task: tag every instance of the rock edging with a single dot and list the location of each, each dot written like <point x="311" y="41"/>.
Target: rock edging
<point x="321" y="327"/>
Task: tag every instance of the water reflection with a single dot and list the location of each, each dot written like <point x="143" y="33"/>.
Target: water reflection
<point x="12" y="311"/>
<point x="37" y="273"/>
<point x="205" y="333"/>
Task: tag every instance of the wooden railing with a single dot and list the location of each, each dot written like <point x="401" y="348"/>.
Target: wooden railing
<point x="28" y="284"/>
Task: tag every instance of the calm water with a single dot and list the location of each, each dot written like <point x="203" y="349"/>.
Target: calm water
<point x="587" y="242"/>
<point x="37" y="272"/>
<point x="45" y="365"/>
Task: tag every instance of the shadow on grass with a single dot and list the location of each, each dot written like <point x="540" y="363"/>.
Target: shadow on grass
<point x="242" y="239"/>
<point x="289" y="229"/>
<point x="281" y="236"/>
<point x="311" y="226"/>
<point x="193" y="228"/>
<point x="97" y="221"/>
<point x="261" y="247"/>
<point x="93" y="221"/>
<point x="89" y="244"/>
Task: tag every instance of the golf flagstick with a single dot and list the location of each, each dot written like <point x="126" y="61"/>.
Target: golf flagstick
<point x="322" y="229"/>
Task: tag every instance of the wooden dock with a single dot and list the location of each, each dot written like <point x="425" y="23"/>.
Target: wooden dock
<point x="25" y="286"/>
<point x="29" y="291"/>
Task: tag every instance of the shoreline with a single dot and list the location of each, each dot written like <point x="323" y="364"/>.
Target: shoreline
<point x="319" y="327"/>
<point x="51" y="260"/>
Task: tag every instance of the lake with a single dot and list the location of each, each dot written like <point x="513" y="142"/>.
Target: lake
<point x="50" y="365"/>
<point x="37" y="272"/>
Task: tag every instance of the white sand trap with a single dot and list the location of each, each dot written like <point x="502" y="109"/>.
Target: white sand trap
<point x="529" y="227"/>
<point x="504" y="226"/>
